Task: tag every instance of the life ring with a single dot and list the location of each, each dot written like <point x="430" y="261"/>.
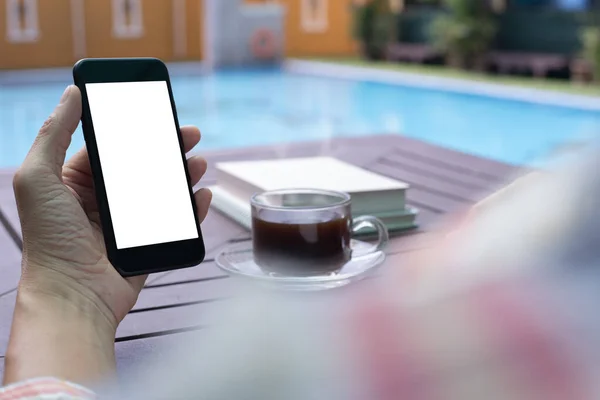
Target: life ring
<point x="263" y="44"/>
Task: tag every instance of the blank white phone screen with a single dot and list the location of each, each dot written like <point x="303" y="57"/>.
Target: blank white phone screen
<point x="144" y="176"/>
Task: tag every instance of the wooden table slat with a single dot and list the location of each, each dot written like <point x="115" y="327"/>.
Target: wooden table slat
<point x="173" y="307"/>
<point x="452" y="159"/>
<point x="10" y="253"/>
<point x="198" y="283"/>
<point x="135" y="353"/>
<point x="162" y="321"/>
<point x="426" y="169"/>
<point x="428" y="177"/>
<point x="8" y="205"/>
<point x="205" y="271"/>
<point x="7" y="305"/>
<point x="429" y="200"/>
<point x="421" y="184"/>
<point x="10" y="262"/>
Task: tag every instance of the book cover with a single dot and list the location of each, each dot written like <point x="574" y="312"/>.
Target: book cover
<point x="370" y="191"/>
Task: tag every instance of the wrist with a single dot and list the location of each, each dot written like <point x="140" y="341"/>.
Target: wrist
<point x="65" y="290"/>
<point x="59" y="330"/>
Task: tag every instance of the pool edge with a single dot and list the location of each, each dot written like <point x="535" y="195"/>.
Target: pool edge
<point x="456" y="85"/>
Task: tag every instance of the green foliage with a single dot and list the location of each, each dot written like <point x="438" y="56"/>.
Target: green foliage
<point x="374" y="26"/>
<point x="465" y="32"/>
<point x="590" y="39"/>
<point x="591" y="18"/>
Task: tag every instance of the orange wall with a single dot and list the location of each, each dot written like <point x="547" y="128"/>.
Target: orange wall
<point x="61" y="44"/>
<point x="194" y="36"/>
<point x="336" y="40"/>
<point x="157" y="40"/>
<point x="159" y="33"/>
<point x="54" y="45"/>
<point x="57" y="34"/>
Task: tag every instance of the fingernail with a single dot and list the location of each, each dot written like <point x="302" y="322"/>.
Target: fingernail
<point x="65" y="95"/>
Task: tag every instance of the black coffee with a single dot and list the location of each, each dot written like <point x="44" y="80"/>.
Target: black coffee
<point x="301" y="248"/>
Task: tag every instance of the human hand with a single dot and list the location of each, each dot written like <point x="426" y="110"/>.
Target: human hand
<point x="63" y="246"/>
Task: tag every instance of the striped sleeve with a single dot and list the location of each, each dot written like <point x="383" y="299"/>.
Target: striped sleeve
<point x="45" y="389"/>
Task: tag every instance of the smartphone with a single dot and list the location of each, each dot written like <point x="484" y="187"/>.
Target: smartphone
<point x="142" y="184"/>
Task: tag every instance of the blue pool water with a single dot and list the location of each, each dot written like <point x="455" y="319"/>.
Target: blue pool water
<point x="245" y="108"/>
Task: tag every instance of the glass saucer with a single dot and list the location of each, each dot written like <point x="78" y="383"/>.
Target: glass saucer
<point x="238" y="260"/>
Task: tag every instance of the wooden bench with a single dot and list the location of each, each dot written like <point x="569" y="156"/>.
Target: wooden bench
<point x="441" y="181"/>
<point x="412" y="52"/>
<point x="540" y="64"/>
<point x="582" y="71"/>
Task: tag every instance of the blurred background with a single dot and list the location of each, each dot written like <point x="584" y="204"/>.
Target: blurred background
<point x="512" y="80"/>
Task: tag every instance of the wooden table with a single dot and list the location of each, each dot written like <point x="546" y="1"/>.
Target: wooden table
<point x="441" y="181"/>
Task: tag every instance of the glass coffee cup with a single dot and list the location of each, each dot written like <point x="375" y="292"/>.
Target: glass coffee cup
<point x="307" y="232"/>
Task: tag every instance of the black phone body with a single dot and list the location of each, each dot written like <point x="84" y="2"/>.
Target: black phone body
<point x="142" y="183"/>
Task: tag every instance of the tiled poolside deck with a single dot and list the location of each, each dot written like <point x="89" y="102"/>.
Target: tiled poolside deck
<point x="441" y="181"/>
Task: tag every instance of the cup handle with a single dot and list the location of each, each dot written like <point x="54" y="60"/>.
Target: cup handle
<point x="382" y="233"/>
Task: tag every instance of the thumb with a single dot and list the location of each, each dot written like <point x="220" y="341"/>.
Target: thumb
<point x="53" y="140"/>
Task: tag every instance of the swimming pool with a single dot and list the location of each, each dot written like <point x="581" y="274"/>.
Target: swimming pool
<point x="246" y="108"/>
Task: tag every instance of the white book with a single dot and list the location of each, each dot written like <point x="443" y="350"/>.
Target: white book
<point x="239" y="210"/>
<point x="371" y="193"/>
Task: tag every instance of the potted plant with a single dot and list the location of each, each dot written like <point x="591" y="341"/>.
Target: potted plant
<point x="464" y="33"/>
<point x="374" y="27"/>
